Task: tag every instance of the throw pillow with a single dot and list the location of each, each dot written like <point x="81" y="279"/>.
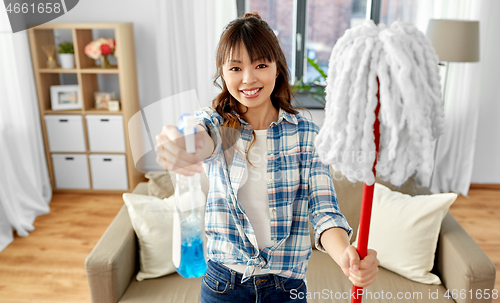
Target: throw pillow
<point x="404" y="231"/>
<point x="160" y="184"/>
<point x="151" y="219"/>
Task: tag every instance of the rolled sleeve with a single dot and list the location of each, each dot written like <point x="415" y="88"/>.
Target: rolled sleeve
<point x="211" y="121"/>
<point x="324" y="211"/>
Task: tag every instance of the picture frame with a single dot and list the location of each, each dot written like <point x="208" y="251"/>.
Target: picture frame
<point x="102" y="100"/>
<point x="114" y="106"/>
<point x="64" y="97"/>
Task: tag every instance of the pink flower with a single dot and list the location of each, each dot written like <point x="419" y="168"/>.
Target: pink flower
<point x="100" y="47"/>
<point x="92" y="51"/>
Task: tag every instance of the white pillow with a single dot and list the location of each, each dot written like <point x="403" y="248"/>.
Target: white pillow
<point x="404" y="231"/>
<point x="152" y="222"/>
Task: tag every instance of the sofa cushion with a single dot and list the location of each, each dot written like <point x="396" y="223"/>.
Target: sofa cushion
<point x="323" y="276"/>
<point x="168" y="289"/>
<point x="141" y="189"/>
<point x="151" y="219"/>
<point x="160" y="185"/>
<point x="404" y="231"/>
<point x="326" y="280"/>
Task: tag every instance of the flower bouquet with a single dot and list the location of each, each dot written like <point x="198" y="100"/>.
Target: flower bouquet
<point x="101" y="49"/>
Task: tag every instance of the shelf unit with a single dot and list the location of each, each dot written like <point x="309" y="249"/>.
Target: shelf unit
<point x="87" y="73"/>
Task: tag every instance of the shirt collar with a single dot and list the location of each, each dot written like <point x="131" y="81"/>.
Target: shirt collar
<point x="282" y="115"/>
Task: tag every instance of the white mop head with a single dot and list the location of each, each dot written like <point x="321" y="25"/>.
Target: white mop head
<point x="411" y="110"/>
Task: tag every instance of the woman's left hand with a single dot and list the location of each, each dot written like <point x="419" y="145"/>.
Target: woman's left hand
<point x="361" y="272"/>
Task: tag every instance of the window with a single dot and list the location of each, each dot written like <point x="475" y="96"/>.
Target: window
<point x="326" y="23"/>
<point x="310" y="28"/>
<point x="307" y="28"/>
<point x="279" y="15"/>
<point x="392" y="10"/>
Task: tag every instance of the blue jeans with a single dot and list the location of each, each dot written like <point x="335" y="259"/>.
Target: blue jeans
<point x="221" y="284"/>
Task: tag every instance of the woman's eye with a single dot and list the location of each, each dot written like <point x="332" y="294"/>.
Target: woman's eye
<point x="232" y="69"/>
<point x="262" y="65"/>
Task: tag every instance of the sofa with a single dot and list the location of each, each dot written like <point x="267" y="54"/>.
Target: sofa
<point x="459" y="262"/>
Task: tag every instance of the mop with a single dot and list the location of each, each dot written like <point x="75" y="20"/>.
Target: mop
<point x="383" y="110"/>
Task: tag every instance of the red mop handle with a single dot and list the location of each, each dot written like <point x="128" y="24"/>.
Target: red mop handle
<point x="366" y="206"/>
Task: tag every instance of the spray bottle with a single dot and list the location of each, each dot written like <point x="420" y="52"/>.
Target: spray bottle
<point x="188" y="241"/>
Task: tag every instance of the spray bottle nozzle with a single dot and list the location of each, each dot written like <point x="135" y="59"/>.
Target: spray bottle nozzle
<point x="187" y="126"/>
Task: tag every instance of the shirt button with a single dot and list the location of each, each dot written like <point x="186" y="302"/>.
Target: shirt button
<point x="269" y="181"/>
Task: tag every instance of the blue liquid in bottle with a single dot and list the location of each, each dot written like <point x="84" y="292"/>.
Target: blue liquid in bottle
<point x="193" y="262"/>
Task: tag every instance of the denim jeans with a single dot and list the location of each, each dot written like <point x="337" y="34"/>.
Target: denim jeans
<point x="221" y="284"/>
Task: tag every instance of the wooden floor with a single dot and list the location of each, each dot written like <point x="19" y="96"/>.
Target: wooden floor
<point x="48" y="266"/>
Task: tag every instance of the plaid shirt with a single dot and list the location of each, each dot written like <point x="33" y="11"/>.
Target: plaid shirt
<point x="299" y="186"/>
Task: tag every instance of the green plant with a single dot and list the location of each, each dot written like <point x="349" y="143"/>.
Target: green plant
<point x="314" y="88"/>
<point x="66" y="48"/>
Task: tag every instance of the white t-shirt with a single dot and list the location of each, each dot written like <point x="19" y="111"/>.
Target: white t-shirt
<point x="253" y="196"/>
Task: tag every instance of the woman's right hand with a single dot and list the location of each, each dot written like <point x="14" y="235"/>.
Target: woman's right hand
<point x="171" y="151"/>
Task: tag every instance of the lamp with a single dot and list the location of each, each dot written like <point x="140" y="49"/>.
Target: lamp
<point x="453" y="41"/>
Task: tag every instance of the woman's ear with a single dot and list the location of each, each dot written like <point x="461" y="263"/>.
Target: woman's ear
<point x="277" y="73"/>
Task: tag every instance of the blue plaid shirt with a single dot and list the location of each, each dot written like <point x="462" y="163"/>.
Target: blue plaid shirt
<point x="299" y="186"/>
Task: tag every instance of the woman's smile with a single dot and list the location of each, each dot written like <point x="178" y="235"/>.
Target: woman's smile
<point x="251" y="93"/>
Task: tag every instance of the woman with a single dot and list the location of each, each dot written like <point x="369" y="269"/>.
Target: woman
<point x="266" y="179"/>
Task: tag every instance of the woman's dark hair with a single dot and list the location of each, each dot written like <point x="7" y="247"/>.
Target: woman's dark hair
<point x="261" y="42"/>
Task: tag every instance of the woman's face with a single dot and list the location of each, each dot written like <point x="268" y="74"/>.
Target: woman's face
<point x="250" y="83"/>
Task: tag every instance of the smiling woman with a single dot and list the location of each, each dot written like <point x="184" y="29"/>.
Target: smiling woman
<point x="258" y="242"/>
<point x="252" y="83"/>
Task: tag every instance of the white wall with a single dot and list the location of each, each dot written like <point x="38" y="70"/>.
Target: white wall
<point x="487" y="155"/>
<point x="142" y="14"/>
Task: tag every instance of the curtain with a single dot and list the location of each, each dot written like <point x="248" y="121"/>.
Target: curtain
<point x="25" y="190"/>
<point x="187" y="36"/>
<point x="455" y="148"/>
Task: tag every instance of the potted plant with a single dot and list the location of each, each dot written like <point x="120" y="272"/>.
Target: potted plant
<point x="66" y="55"/>
<point x="314" y="89"/>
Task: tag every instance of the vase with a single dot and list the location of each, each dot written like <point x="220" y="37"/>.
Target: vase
<point x="51" y="63"/>
<point x="105" y="61"/>
<point x="67" y="61"/>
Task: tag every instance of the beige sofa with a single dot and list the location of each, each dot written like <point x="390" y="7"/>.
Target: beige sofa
<point x="459" y="262"/>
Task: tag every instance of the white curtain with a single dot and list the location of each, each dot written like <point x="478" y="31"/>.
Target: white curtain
<point x="25" y="190"/>
<point x="187" y="36"/>
<point x="455" y="149"/>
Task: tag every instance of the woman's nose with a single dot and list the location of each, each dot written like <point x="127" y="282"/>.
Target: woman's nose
<point x="248" y="76"/>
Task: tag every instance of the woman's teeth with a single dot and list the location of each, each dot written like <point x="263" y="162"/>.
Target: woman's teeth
<point x="251" y="92"/>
